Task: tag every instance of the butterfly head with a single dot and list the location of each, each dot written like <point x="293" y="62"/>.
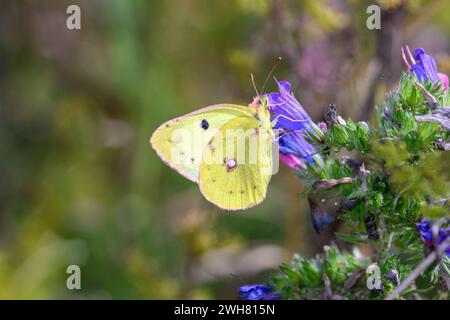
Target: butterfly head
<point x="262" y="112"/>
<point x="259" y="102"/>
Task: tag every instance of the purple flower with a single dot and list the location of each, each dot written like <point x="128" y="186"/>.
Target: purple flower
<point x="424" y="229"/>
<point x="292" y="121"/>
<point x="424" y="66"/>
<point x="426" y="234"/>
<point x="257" y="292"/>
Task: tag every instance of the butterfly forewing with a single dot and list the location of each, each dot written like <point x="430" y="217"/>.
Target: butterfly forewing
<point x="180" y="142"/>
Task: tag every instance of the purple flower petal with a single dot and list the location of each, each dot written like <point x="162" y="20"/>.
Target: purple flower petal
<point x="424" y="228"/>
<point x="444" y="79"/>
<point x="292" y="161"/>
<point x="425" y="66"/>
<point x="295" y="143"/>
<point x="284" y="104"/>
<point x="284" y="87"/>
<point x="257" y="292"/>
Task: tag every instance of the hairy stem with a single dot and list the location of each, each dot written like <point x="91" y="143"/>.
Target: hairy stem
<point x="419" y="269"/>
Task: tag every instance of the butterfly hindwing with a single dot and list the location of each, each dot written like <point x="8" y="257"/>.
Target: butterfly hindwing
<point x="245" y="184"/>
<point x="180" y="142"/>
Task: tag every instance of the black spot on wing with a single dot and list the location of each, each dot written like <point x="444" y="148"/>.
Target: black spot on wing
<point x="204" y="124"/>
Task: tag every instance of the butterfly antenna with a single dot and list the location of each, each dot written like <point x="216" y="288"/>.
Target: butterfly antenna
<point x="254" y="85"/>
<point x="275" y="65"/>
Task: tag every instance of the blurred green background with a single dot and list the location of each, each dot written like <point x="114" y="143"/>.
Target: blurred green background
<point x="79" y="183"/>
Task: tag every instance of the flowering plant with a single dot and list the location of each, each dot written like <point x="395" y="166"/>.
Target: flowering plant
<point x="392" y="191"/>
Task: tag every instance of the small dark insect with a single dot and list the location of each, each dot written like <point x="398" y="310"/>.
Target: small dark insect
<point x="205" y="124"/>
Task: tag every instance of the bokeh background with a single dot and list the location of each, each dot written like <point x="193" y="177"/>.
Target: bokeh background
<point x="79" y="183"/>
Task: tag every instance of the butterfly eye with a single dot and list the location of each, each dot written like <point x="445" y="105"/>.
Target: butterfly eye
<point x="204" y="124"/>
